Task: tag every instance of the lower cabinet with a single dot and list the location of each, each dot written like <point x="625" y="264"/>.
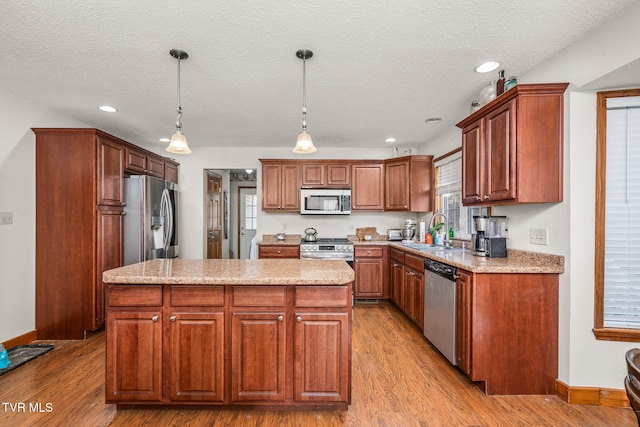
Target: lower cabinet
<point x="396" y="274"/>
<point x="278" y="251"/>
<point x="407" y="284"/>
<point x="463" y="321"/>
<point x="171" y="345"/>
<point x="370" y="265"/>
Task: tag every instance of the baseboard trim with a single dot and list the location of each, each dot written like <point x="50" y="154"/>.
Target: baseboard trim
<point x="592" y="396"/>
<point x="22" y="339"/>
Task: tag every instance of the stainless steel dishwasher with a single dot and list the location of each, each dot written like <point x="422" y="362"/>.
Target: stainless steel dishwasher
<point x="440" y="307"/>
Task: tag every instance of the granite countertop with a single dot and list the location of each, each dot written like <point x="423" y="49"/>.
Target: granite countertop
<point x="233" y="272"/>
<point x="289" y="240"/>
<point x="517" y="261"/>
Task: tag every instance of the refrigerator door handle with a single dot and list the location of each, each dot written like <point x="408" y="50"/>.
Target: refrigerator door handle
<point x="167" y="217"/>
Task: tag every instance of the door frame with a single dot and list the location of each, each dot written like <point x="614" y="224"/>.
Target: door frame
<point x="205" y="205"/>
<point x="238" y="217"/>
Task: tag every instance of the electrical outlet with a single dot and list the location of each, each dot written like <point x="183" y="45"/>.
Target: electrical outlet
<point x="6" y="218"/>
<point x="539" y="236"/>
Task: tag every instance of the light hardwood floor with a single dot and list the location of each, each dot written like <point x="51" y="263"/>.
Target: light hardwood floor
<point x="399" y="379"/>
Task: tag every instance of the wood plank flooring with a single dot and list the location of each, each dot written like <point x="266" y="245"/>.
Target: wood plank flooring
<point x="399" y="379"/>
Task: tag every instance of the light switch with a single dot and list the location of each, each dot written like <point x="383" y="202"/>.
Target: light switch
<point x="539" y="236"/>
<point x="6" y="218"/>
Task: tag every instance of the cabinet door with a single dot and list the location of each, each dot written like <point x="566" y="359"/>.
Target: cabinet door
<point x="110" y="173"/>
<point x="397" y="186"/>
<point x="258" y="361"/>
<point x="369" y="276"/>
<point x="271" y="186"/>
<point x="134" y="357"/>
<point x="397" y="284"/>
<point x="171" y="172"/>
<point x="155" y="167"/>
<point x="109" y="243"/>
<point x="367" y="187"/>
<point x="290" y="188"/>
<point x="500" y="153"/>
<point x="414" y="296"/>
<point x="321" y="357"/>
<point x="463" y="322"/>
<point x="339" y="175"/>
<point x="472" y="158"/>
<point x="313" y="174"/>
<point x="136" y="161"/>
<point x="197" y="356"/>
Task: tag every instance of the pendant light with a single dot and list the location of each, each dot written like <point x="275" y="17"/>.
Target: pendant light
<point x="304" y="144"/>
<point x="178" y="143"/>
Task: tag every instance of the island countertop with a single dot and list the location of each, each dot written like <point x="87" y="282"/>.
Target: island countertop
<point x="233" y="272"/>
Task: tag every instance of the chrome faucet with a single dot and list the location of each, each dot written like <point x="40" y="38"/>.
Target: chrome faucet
<point x="446" y="241"/>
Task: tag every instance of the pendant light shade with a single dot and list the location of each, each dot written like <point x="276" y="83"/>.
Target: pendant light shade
<point x="178" y="143"/>
<point x="304" y="144"/>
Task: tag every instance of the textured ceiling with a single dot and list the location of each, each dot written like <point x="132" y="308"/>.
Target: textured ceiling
<point x="379" y="68"/>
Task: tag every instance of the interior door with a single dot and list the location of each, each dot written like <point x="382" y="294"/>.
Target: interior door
<point x="247" y="219"/>
<point x="214" y="216"/>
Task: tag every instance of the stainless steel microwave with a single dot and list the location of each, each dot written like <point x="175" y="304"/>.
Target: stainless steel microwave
<point x="314" y="201"/>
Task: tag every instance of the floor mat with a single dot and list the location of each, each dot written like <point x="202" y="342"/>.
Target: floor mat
<point x="21" y="354"/>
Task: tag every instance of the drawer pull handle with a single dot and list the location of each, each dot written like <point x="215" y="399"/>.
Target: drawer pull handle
<point x="280" y="318"/>
<point x="298" y="319"/>
<point x="172" y="318"/>
<point x="154" y="319"/>
<point x="279" y="251"/>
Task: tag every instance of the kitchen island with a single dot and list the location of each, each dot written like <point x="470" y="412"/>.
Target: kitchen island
<point x="270" y="333"/>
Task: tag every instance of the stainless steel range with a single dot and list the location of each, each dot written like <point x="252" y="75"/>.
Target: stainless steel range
<point x="329" y="249"/>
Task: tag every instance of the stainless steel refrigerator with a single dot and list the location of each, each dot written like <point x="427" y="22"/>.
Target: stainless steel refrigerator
<point x="150" y="219"/>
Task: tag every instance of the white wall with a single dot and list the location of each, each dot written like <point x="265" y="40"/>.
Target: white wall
<point x="583" y="360"/>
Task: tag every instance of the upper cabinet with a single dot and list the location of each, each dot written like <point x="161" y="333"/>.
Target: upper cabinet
<point x="408" y="184"/>
<point x="280" y="186"/>
<point x="326" y="174"/>
<point x="367" y="186"/>
<point x="141" y="162"/>
<point x="512" y="148"/>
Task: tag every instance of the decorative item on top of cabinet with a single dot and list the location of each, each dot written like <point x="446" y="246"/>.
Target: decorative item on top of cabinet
<point x="280" y="185"/>
<point x="512" y="148"/>
<point x="367" y="186"/>
<point x="409" y="184"/>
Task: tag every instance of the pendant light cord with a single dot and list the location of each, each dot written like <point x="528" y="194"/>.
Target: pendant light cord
<point x="179" y="107"/>
<point x="304" y="93"/>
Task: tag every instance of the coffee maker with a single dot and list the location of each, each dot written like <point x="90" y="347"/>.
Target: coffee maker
<point x="480" y="223"/>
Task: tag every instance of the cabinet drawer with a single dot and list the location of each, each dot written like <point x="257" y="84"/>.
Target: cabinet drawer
<point x="368" y="252"/>
<point x="259" y="296"/>
<point x="396" y="255"/>
<point x="197" y="296"/>
<point x="278" y="251"/>
<point x="135" y="296"/>
<point x="322" y="296"/>
<point x="415" y="262"/>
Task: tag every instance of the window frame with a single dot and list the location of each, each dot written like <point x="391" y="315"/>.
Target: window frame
<point x="599" y="330"/>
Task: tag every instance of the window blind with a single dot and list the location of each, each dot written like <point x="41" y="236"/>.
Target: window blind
<point x="622" y="221"/>
<point x="449" y="174"/>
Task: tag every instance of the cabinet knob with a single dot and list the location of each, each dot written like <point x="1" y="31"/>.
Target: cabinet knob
<point x="172" y="318"/>
<point x="486" y="197"/>
<point x="154" y="319"/>
<point x="298" y="319"/>
<point x="368" y="252"/>
<point x="279" y="251"/>
<point x="280" y="318"/>
<point x="477" y="197"/>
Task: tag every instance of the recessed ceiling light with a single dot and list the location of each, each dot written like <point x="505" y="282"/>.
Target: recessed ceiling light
<point x="487" y="66"/>
<point x="107" y="108"/>
<point x="433" y="120"/>
<point x="390" y="140"/>
<point x="164" y="139"/>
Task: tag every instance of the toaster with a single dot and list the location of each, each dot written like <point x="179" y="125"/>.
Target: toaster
<point x="394" y="234"/>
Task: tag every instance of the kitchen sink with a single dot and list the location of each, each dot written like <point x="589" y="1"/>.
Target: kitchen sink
<point x="428" y="247"/>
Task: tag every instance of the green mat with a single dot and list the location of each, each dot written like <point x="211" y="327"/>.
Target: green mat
<point x="21" y="354"/>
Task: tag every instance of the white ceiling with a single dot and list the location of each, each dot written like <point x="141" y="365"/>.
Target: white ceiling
<point x="379" y="68"/>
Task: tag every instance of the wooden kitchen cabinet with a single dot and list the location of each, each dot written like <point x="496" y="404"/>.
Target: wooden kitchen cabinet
<point x="396" y="275"/>
<point x="139" y="162"/>
<point x="512" y="148"/>
<point x="370" y="265"/>
<point x="281" y="186"/>
<point x="79" y="207"/>
<point x="278" y="251"/>
<point x="326" y="174"/>
<point x="409" y="184"/>
<point x="414" y="289"/>
<point x="367" y="186"/>
<point x="463" y="321"/>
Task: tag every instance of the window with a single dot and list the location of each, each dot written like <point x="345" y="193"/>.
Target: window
<point x="250" y="211"/>
<point x="449" y="195"/>
<point x="617" y="261"/>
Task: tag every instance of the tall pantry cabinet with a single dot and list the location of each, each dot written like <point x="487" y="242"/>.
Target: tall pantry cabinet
<point x="79" y="209"/>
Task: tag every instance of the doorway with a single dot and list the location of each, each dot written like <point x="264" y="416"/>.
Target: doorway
<point x="247" y="221"/>
<point x="213" y="214"/>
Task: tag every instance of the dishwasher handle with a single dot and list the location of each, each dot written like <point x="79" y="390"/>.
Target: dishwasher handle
<point x="444" y="270"/>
